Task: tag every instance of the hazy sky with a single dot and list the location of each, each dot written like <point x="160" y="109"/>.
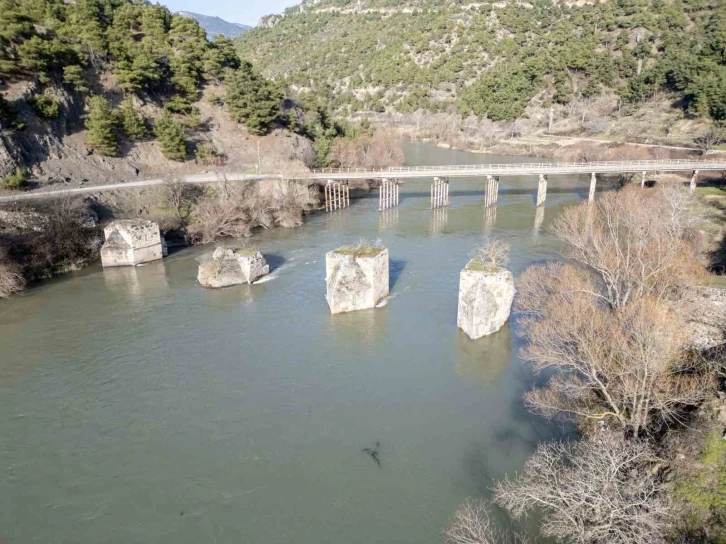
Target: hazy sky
<point x="247" y="12"/>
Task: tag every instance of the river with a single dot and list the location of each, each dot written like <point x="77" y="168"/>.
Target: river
<point x="136" y="406"/>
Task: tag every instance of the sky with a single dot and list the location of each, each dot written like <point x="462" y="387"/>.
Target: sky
<point x="247" y="12"/>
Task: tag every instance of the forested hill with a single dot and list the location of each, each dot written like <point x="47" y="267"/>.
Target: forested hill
<point x="491" y="59"/>
<point x="128" y="72"/>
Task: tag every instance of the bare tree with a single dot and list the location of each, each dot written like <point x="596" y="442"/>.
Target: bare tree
<point x="628" y="241"/>
<point x="471" y="525"/>
<point x="595" y="491"/>
<point x="492" y="251"/>
<point x="380" y="150"/>
<point x="624" y="367"/>
<point x="179" y="199"/>
<point x="712" y="137"/>
<point x="10" y="280"/>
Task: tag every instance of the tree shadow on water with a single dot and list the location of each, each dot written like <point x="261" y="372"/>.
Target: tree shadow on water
<point x="275" y="261"/>
<point x="395" y="269"/>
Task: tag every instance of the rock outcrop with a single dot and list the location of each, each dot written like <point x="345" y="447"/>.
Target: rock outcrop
<point x="356" y="278"/>
<point x="486" y="293"/>
<point x="130" y="242"/>
<point x="232" y="266"/>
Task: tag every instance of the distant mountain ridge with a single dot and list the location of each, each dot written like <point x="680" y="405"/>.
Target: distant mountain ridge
<point x="215" y="26"/>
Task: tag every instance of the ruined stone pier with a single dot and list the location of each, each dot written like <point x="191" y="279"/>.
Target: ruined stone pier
<point x="486" y="293"/>
<point x="356" y="277"/>
<point x="130" y="242"/>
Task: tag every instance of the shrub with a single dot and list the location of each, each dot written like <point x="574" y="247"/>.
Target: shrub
<point x="9" y="117"/>
<point x="45" y="106"/>
<point x="17" y="180"/>
<point x="10" y="280"/>
<point x="170" y="133"/>
<point x="65" y="244"/>
<point x="101" y="127"/>
<point x="206" y="155"/>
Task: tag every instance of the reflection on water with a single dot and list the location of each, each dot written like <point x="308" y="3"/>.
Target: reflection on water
<point x="490" y="219"/>
<point x="136" y="282"/>
<point x="388" y="219"/>
<point x="439" y="218"/>
<point x="483" y="361"/>
<point x="539" y="216"/>
<point x="132" y="395"/>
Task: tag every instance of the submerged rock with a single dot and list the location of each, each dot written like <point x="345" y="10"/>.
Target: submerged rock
<point x="486" y="293"/>
<point x="356" y="278"/>
<point x="232" y="266"/>
<point x="132" y="241"/>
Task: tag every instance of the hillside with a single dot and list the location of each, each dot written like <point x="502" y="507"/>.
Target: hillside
<point x="495" y="60"/>
<point x="216" y="26"/>
<point x="108" y="89"/>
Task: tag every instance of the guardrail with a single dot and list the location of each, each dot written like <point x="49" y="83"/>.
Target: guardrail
<point x="498" y="169"/>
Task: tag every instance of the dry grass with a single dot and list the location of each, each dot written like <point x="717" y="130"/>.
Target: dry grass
<point x="364" y="248"/>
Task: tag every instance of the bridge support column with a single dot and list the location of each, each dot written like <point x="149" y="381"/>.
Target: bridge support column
<point x="642" y="179"/>
<point x="388" y="194"/>
<point x="542" y="190"/>
<point x="694" y="181"/>
<point x="439" y="193"/>
<point x="593" y="185"/>
<point x="337" y="196"/>
<point x="491" y="193"/>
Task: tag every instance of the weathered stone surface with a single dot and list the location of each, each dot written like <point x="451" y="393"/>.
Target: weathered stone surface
<point x="356" y="278"/>
<point x="232" y="266"/>
<point x="486" y="293"/>
<point x="25" y="220"/>
<point x="130" y="242"/>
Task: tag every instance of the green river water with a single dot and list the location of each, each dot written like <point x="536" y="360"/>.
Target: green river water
<point x="136" y="406"/>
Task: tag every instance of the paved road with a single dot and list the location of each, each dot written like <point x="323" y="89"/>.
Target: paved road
<point x="193" y="179"/>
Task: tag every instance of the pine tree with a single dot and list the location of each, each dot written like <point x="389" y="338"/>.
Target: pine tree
<point x="170" y="133"/>
<point x="252" y="100"/>
<point x="101" y="127"/>
<point x="131" y="122"/>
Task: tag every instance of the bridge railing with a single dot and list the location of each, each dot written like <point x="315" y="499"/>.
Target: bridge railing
<point x="645" y="165"/>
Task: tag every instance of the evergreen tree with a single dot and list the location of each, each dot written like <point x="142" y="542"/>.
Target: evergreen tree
<point x="131" y="122"/>
<point x="251" y="100"/>
<point x="170" y="133"/>
<point x="101" y="127"/>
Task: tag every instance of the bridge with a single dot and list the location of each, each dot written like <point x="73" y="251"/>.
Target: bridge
<point x="337" y="194"/>
<point x="521" y="169"/>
